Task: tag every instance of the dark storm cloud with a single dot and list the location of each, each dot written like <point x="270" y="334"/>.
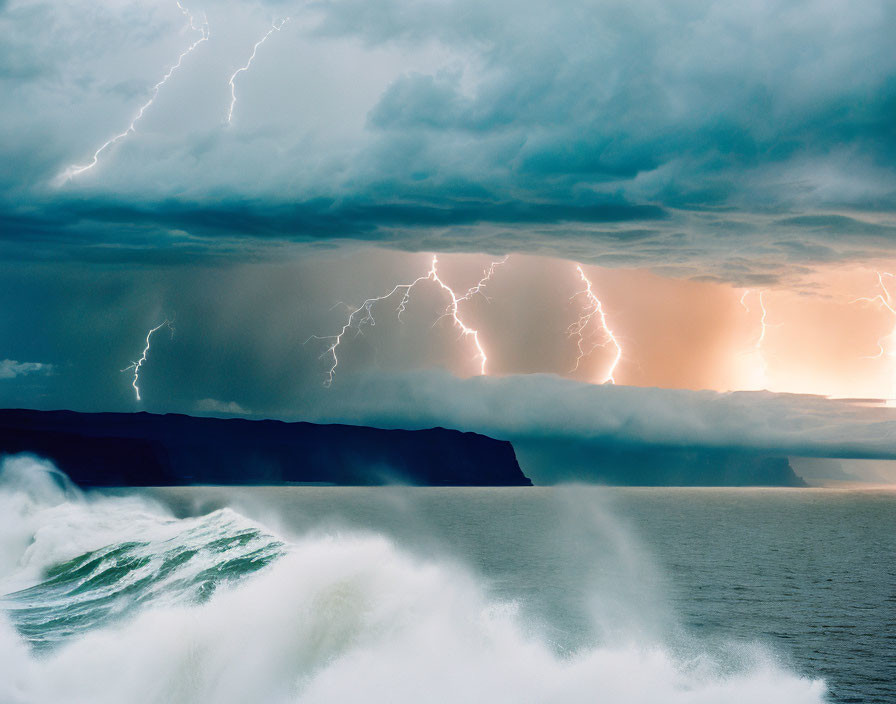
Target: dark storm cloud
<point x="705" y="139"/>
<point x="322" y="218"/>
<point x="616" y="89"/>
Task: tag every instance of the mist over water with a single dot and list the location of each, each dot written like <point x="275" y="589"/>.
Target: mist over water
<point x="330" y="595"/>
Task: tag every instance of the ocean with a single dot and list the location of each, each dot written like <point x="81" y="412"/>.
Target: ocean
<point x="401" y="594"/>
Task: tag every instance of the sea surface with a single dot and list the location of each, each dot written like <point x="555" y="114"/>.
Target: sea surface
<point x="560" y="594"/>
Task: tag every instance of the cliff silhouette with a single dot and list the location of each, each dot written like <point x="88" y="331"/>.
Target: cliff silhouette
<point x="143" y="449"/>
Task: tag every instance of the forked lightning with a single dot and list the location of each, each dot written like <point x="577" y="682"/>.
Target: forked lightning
<point x="581" y="329"/>
<point x="76" y="170"/>
<point x="885" y="299"/>
<point x="363" y="314"/>
<point x="139" y="363"/>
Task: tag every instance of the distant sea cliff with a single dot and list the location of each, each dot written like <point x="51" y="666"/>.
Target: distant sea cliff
<point x="143" y="449"/>
<point x="621" y="464"/>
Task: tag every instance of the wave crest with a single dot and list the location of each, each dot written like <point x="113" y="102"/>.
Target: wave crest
<point x="322" y="618"/>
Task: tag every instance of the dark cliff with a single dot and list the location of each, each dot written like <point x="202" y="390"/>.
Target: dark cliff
<point x="607" y="462"/>
<point x="142" y="449"/>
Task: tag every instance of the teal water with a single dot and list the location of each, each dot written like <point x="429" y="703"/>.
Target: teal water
<point x="567" y="594"/>
<point x="810" y="573"/>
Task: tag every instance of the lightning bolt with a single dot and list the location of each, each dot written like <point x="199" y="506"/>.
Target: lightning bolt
<point x="363" y="314"/>
<point x="451" y="311"/>
<point x="139" y="363"/>
<point x="885" y="299"/>
<point x="274" y="27"/>
<point x="75" y="170"/>
<point x="763" y="324"/>
<point x="763" y="330"/>
<point x="593" y="312"/>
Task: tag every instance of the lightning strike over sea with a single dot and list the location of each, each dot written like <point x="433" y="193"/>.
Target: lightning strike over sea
<point x="76" y="170"/>
<point x="594" y="311"/>
<point x="274" y="28"/>
<point x="139" y="363"/>
<point x="356" y="321"/>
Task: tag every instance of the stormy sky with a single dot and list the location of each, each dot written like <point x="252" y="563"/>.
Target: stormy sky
<point x="684" y="153"/>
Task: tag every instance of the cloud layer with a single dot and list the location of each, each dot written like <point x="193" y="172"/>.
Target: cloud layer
<point x="722" y="139"/>
<point x="10" y="368"/>
<point x="550" y="408"/>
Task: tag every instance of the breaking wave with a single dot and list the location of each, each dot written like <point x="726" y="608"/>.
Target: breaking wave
<point x="113" y="599"/>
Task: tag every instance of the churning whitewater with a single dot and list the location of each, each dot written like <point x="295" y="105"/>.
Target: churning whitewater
<point x="111" y="598"/>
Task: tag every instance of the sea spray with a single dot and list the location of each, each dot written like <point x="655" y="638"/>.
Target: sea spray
<point x="87" y="561"/>
<point x="334" y="616"/>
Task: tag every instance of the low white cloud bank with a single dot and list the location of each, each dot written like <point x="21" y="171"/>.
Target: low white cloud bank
<point x="10" y="368"/>
<point x="213" y="405"/>
<point x="547" y="406"/>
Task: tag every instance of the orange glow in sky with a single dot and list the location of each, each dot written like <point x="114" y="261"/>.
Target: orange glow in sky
<point x="816" y="337"/>
<point x="827" y="333"/>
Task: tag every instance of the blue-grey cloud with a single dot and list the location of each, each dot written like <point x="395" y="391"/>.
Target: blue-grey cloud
<point x="542" y="406"/>
<point x="10" y="368"/>
<point x="707" y="138"/>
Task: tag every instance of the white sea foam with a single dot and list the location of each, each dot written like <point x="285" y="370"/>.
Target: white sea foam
<point x="45" y="520"/>
<point x="338" y="618"/>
